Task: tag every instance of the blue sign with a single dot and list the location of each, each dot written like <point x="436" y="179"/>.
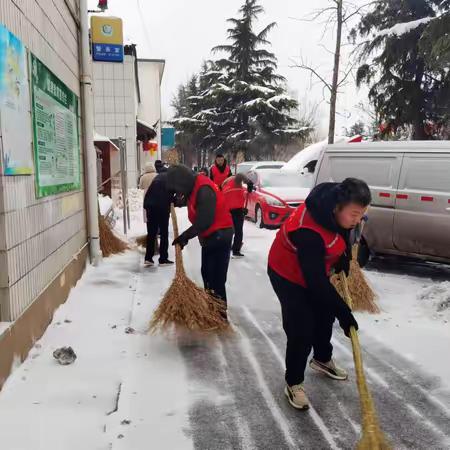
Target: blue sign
<point x="107" y="52"/>
<point x="168" y="138"/>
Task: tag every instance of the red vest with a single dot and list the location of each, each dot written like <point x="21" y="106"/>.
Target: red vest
<point x="283" y="254"/>
<point x="222" y="217"/>
<point x="219" y="177"/>
<point x="234" y="195"/>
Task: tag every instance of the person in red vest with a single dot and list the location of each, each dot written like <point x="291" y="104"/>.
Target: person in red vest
<point x="235" y="198"/>
<point x="220" y="171"/>
<point x="311" y="244"/>
<point x="211" y="222"/>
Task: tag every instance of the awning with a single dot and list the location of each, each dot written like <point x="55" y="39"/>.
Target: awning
<point x="145" y="132"/>
<point x="100" y="138"/>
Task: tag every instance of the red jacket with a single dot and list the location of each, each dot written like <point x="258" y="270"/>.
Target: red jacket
<point x="283" y="254"/>
<point x="234" y="195"/>
<point x="218" y="176"/>
<point x="222" y="218"/>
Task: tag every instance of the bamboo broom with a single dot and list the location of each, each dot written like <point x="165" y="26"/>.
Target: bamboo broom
<point x="185" y="304"/>
<point x="363" y="296"/>
<point x="110" y="244"/>
<point x="372" y="436"/>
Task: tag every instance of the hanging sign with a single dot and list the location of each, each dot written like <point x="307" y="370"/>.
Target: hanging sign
<point x="107" y="38"/>
<point x="55" y="132"/>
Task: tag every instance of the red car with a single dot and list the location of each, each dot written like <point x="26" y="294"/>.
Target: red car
<point x="277" y="193"/>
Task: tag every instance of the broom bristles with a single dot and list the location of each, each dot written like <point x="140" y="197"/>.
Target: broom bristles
<point x="185" y="304"/>
<point x="364" y="298"/>
<point x="110" y="244"/>
<point x="141" y="241"/>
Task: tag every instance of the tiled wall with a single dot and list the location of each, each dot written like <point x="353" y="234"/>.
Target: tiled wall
<point x="38" y="238"/>
<point x="116" y="106"/>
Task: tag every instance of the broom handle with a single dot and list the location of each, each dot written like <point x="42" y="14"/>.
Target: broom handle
<point x="369" y="417"/>
<point x="178" y="253"/>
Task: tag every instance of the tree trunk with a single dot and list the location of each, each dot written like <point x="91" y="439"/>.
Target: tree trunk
<point x="334" y="86"/>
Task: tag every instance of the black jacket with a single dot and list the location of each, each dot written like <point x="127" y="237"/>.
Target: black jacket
<point x="158" y="196"/>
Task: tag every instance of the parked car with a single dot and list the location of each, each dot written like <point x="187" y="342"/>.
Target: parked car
<point x="277" y="193"/>
<point x="410" y="184"/>
<point x="247" y="166"/>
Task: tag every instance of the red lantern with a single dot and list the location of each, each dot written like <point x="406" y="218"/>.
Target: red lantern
<point x="103" y="4"/>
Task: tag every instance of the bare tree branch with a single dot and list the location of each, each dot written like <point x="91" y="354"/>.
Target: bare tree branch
<point x="304" y="66"/>
<point x="313" y="16"/>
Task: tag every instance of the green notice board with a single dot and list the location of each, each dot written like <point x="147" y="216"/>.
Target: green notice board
<point x="55" y="132"/>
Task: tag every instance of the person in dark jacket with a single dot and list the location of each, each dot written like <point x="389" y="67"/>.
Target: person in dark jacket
<point x="157" y="202"/>
<point x="211" y="222"/>
<point x="220" y="171"/>
<point x="160" y="167"/>
<point x="310" y="245"/>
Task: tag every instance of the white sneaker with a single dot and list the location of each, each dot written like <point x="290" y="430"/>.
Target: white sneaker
<point x="330" y="369"/>
<point x="297" y="396"/>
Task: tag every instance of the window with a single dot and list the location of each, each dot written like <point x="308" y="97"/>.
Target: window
<point x="376" y="171"/>
<point x="427" y="173"/>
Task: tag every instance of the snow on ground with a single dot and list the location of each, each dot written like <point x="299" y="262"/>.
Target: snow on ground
<point x="132" y="391"/>
<point x="410" y="322"/>
<point x="115" y="395"/>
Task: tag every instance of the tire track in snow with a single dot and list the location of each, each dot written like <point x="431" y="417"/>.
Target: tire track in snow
<point x="403" y="427"/>
<point x="312" y="411"/>
<point x="212" y="413"/>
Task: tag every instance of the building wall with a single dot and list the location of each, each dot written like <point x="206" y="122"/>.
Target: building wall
<point x="115" y="104"/>
<point x="39" y="237"/>
<point x="149" y="110"/>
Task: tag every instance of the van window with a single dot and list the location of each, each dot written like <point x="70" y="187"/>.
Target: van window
<point x="376" y="171"/>
<point x="427" y="174"/>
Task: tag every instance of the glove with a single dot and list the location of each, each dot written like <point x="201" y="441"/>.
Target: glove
<point x="250" y="187"/>
<point x="245" y="212"/>
<point x="347" y="320"/>
<point x="343" y="265"/>
<point x="181" y="240"/>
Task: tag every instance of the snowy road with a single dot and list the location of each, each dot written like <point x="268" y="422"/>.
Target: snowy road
<point x="132" y="391"/>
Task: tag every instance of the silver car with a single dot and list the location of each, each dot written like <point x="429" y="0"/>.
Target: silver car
<point x="410" y="184"/>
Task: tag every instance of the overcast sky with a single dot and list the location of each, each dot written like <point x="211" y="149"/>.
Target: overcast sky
<point x="183" y="32"/>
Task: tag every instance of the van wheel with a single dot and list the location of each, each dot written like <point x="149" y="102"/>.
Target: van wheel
<point x="363" y="253"/>
<point x="259" y="217"/>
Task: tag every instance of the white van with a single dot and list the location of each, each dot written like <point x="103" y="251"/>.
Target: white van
<point x="410" y="184"/>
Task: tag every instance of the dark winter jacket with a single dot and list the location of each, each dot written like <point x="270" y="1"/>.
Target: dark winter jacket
<point x="157" y="195"/>
<point x="321" y="204"/>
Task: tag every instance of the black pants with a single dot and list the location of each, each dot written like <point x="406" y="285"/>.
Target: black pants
<point x="306" y="327"/>
<point x="238" y="224"/>
<point x="215" y="261"/>
<point x="157" y="219"/>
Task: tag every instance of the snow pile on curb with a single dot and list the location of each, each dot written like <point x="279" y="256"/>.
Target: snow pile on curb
<point x="105" y="203"/>
<point x="438" y="297"/>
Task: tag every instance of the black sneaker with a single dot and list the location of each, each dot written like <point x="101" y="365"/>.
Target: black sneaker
<point x="237" y="255"/>
<point x="166" y="262"/>
<point x="149" y="263"/>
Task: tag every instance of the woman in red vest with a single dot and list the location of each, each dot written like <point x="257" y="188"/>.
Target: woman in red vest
<point x="312" y="243"/>
<point x="211" y="222"/>
<point x="220" y="171"/>
<point x="235" y="198"/>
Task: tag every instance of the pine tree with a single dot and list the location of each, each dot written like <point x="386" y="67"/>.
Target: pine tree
<point x="241" y="103"/>
<point x="405" y="87"/>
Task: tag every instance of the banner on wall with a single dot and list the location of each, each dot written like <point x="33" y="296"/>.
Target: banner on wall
<point x="107" y="38"/>
<point x="55" y="132"/>
<point x="15" y="122"/>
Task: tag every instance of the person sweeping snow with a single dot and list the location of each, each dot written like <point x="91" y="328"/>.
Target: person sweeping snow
<point x="235" y="198"/>
<point x="312" y="243"/>
<point x="211" y="222"/>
